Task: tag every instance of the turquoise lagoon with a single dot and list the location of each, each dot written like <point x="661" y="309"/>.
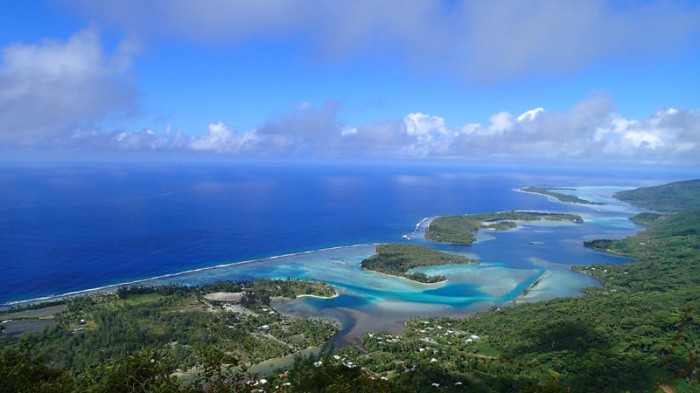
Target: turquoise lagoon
<point x="510" y="262"/>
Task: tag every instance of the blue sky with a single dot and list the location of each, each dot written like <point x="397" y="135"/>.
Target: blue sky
<point x="540" y="79"/>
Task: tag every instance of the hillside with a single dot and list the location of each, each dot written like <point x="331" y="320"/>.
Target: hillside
<point x="670" y="197"/>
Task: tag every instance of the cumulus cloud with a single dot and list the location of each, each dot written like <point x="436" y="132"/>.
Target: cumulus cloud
<point x="50" y="89"/>
<point x="668" y="132"/>
<point x="422" y="125"/>
<point x="591" y="131"/>
<point x="484" y="39"/>
<point x="220" y="139"/>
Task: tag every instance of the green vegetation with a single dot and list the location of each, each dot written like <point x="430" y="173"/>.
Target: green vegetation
<point x="670" y="197"/>
<point x="667" y="254"/>
<point x="96" y="333"/>
<point x="399" y="259"/>
<point x="461" y="229"/>
<point x="645" y="217"/>
<point x="559" y="196"/>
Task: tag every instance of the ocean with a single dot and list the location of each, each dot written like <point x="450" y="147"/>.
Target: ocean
<point x="75" y="226"/>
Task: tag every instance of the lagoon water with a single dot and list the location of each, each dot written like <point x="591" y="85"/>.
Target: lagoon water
<point x="69" y="228"/>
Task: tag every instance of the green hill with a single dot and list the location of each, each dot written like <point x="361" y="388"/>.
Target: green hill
<point x="670" y="197"/>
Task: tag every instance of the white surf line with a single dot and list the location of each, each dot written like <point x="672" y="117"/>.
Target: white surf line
<point x="112" y="287"/>
<point x="409" y="236"/>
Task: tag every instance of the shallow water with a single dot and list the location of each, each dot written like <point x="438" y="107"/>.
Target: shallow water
<point x="66" y="230"/>
<point x="509" y="264"/>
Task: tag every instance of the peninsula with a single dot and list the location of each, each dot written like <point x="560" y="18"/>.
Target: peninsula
<point x="561" y="197"/>
<point x="670" y="198"/>
<point x="398" y="259"/>
<point x="460" y="229"/>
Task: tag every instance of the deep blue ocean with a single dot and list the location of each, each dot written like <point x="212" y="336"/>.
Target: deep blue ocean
<point x="70" y="227"/>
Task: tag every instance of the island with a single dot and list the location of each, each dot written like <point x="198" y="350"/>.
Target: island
<point x="398" y="259"/>
<point x="561" y="197"/>
<point x="461" y="229"/>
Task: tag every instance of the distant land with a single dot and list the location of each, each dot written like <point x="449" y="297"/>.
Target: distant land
<point x="460" y="229"/>
<point x="551" y="192"/>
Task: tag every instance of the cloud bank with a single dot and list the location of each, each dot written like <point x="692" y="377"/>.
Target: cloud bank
<point x="592" y="130"/>
<point x="483" y="39"/>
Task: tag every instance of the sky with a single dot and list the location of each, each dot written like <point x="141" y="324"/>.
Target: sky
<point x="563" y="80"/>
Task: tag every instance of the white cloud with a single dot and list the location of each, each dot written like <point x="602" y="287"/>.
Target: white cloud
<point x="221" y="140"/>
<point x="499" y="124"/>
<point x="48" y="90"/>
<point x="530" y="115"/>
<point x="484" y="39"/>
<point x="670" y="133"/>
<point x="591" y="131"/>
<point x="420" y="124"/>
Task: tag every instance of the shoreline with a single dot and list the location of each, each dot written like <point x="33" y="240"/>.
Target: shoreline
<point x="428" y="284"/>
<point x="305" y="295"/>
<point x="415" y="234"/>
<point x="551" y="198"/>
<point x="318" y="296"/>
<point x="527" y="292"/>
<point x="111" y="288"/>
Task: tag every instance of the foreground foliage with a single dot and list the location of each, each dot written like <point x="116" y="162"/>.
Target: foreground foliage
<point x="102" y="337"/>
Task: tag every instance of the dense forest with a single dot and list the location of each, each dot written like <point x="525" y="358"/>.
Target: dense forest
<point x="640" y="332"/>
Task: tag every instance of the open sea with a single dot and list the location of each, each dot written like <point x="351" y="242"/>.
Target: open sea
<point x="73" y="227"/>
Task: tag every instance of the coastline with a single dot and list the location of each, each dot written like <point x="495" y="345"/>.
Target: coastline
<point x="427" y="284"/>
<point x="424" y="223"/>
<point x="319" y="296"/>
<point x="551" y="198"/>
<point x="111" y="288"/>
<point x="305" y="295"/>
<point x="527" y="292"/>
